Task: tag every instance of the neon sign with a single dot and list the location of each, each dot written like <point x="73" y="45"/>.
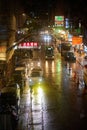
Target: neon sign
<point x="59" y="20"/>
<point x="28" y="45"/>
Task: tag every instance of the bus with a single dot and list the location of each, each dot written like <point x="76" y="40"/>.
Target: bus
<point x="65" y="47"/>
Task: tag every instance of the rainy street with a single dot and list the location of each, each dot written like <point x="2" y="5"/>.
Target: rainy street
<point x="43" y="65"/>
<point x="58" y="103"/>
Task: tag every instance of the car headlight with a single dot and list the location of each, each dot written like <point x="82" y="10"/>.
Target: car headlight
<point x="40" y="79"/>
<point x="30" y="80"/>
<point x="38" y="63"/>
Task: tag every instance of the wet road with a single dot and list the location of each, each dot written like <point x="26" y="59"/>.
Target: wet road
<point x="58" y="103"/>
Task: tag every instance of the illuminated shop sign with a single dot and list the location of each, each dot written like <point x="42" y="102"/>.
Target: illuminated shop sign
<point x="77" y="40"/>
<point x="28" y="45"/>
<point x="66" y="23"/>
<point x="85" y="49"/>
<point x="59" y="20"/>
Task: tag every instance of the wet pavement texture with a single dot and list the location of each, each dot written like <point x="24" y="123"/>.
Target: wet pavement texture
<point x="56" y="104"/>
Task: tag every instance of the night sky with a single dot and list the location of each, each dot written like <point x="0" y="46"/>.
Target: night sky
<point x="71" y="8"/>
<point x="74" y="6"/>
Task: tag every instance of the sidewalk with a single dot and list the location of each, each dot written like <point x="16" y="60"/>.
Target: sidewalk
<point x="80" y="58"/>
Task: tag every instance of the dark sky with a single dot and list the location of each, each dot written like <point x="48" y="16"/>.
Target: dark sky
<point x="75" y="6"/>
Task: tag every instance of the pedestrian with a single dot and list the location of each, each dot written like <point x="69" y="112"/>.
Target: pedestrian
<point x="77" y="81"/>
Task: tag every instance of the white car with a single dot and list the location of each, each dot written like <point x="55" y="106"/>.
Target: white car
<point x="37" y="69"/>
<point x="35" y="78"/>
<point x="36" y="62"/>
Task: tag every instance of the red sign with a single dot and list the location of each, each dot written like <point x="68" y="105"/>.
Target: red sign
<point x="28" y="45"/>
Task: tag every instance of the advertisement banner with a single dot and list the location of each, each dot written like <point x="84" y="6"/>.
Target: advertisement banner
<point x="59" y="20"/>
<point x="77" y="40"/>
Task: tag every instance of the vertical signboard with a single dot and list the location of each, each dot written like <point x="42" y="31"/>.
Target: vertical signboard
<point x="66" y="23"/>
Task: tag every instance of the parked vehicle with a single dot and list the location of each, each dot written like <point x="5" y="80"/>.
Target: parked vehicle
<point x="9" y="106"/>
<point x="10" y="95"/>
<point x="8" y="117"/>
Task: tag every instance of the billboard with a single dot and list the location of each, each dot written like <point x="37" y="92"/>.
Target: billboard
<point x="76" y="40"/>
<point x="28" y="45"/>
<point x="59" y="20"/>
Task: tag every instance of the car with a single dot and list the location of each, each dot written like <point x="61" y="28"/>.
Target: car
<point x="49" y="53"/>
<point x="35" y="78"/>
<point x="37" y="69"/>
<point x="36" y="62"/>
<point x="10" y="97"/>
<point x="70" y="56"/>
<point x="9" y="114"/>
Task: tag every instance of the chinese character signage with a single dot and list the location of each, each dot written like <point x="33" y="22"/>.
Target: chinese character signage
<point x="28" y="45"/>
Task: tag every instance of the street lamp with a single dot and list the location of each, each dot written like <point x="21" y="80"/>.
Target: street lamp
<point x="47" y="38"/>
